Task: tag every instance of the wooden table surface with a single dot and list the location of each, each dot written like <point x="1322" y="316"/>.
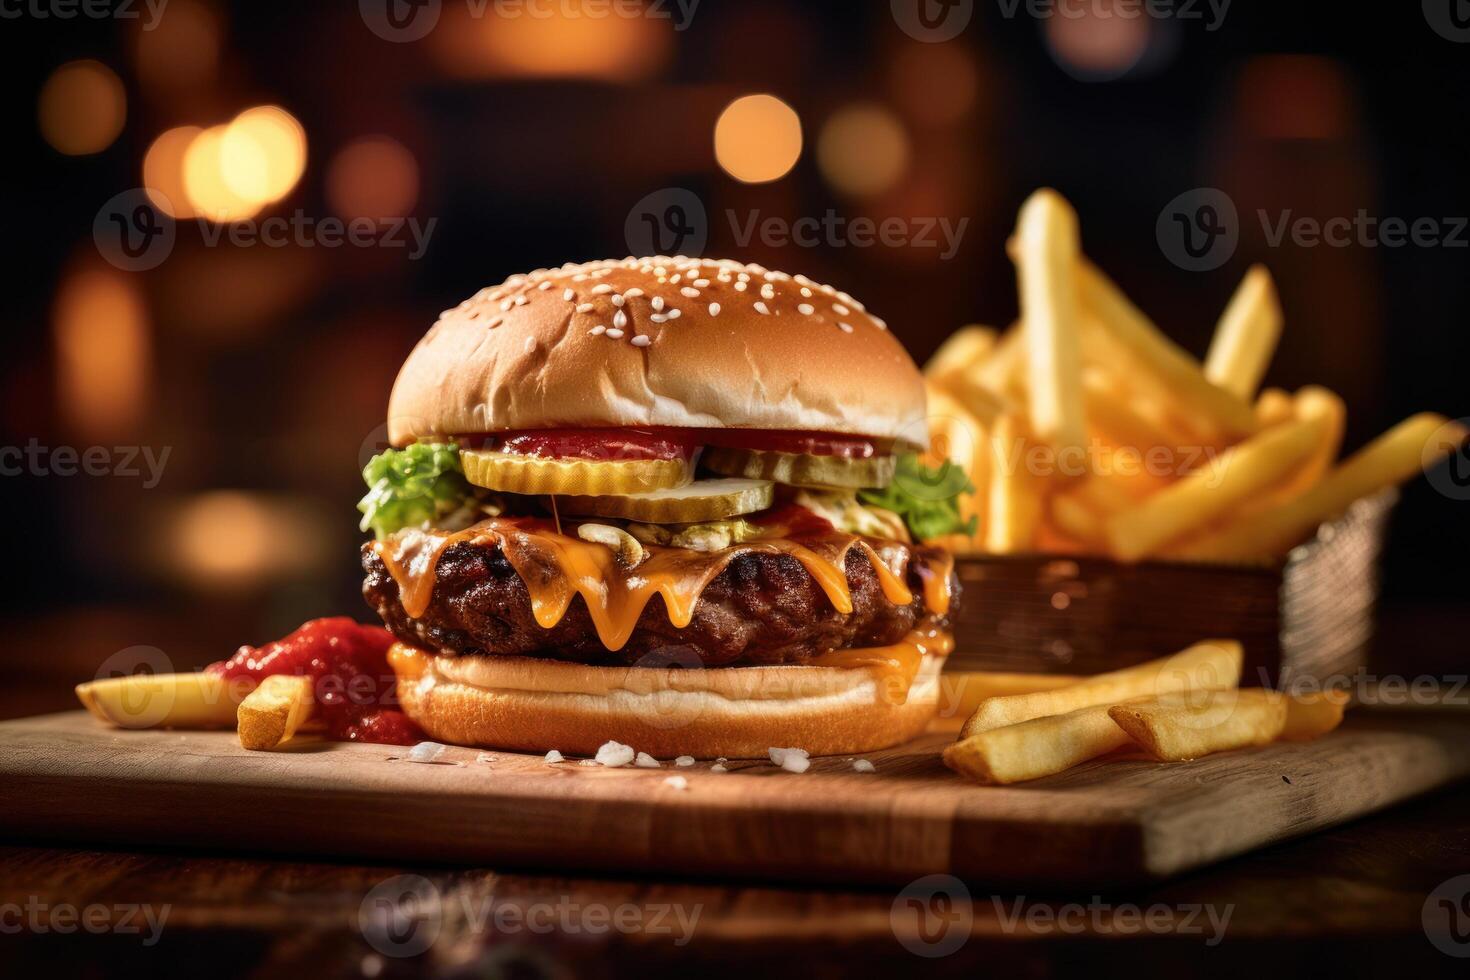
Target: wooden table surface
<point x="1348" y="901"/>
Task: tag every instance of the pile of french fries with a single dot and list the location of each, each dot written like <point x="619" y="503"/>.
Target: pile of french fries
<point x="264" y="715"/>
<point x="1085" y="430"/>
<point x="1173" y="709"/>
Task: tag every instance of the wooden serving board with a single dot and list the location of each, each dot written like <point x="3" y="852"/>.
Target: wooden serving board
<point x="67" y="777"/>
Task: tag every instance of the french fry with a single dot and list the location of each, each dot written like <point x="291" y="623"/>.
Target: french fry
<point x="1246" y="336"/>
<point x="1123" y="417"/>
<point x="1273" y="407"/>
<point x="1013" y="503"/>
<point x="1310" y="716"/>
<point x="1212" y="492"/>
<point x="273" y="712"/>
<point x="1071" y="514"/>
<point x="1036" y="748"/>
<point x="1178" y="729"/>
<point x="1315" y="402"/>
<point x="962" y="349"/>
<point x="956" y="435"/>
<point x="1003" y="372"/>
<point x="1208" y="665"/>
<point x="1207" y="404"/>
<point x="1046" y="250"/>
<point x="1389" y="460"/>
<point x="194" y="700"/>
<point x="960" y="692"/>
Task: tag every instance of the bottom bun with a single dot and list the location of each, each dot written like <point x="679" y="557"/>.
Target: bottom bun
<point x="530" y="705"/>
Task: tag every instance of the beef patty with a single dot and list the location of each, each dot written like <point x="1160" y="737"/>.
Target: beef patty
<point x="762" y="609"/>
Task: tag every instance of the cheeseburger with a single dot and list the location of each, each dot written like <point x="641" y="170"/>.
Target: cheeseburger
<point x="670" y="502"/>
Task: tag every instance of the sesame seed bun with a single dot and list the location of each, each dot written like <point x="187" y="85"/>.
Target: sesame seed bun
<point x="663" y="341"/>
<point x="530" y="705"/>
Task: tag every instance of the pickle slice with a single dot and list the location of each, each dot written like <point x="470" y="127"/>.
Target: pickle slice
<point x="528" y="474"/>
<point x="800" y="469"/>
<point x="702" y="500"/>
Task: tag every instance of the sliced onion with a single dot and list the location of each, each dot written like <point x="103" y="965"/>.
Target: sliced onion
<point x="702" y="500"/>
<point x="801" y="469"/>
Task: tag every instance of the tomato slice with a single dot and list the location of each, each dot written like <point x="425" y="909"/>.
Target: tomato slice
<point x="668" y="442"/>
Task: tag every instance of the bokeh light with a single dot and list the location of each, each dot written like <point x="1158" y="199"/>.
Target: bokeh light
<point x="373" y="177"/>
<point x="556" y="41"/>
<point x="209" y="194"/>
<point x="863" y="150"/>
<point x="179" y="50"/>
<point x="163" y="171"/>
<point x="1096" y="44"/>
<point x="82" y="108"/>
<point x="263" y="153"/>
<point x="230" y="539"/>
<point x="758" y="139"/>
<point x="100" y="322"/>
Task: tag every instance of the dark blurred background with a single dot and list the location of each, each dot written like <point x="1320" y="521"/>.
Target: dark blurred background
<point x="525" y="133"/>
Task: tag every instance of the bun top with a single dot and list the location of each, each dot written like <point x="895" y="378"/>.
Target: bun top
<point x="661" y="341"/>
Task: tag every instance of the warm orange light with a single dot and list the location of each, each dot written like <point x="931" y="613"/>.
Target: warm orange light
<point x="102" y="353"/>
<point x="863" y="150"/>
<point x="935" y="83"/>
<point x="263" y="154"/>
<point x="1096" y="45"/>
<point x="373" y="177"/>
<point x="758" y="139"/>
<point x="552" y="41"/>
<point x="232" y="539"/>
<point x="208" y="192"/>
<point x="82" y="108"/>
<point x="163" y="171"/>
<point x="180" y="49"/>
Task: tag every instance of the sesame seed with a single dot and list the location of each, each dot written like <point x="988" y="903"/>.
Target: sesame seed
<point x="675" y="314"/>
<point x="568" y="295"/>
<point x="840" y="310"/>
<point x="714" y="309"/>
<point x="585" y="308"/>
<point x="701" y="283"/>
<point x="545" y="285"/>
<point x="806" y="309"/>
<point x="768" y="291"/>
<point x="675" y="279"/>
<point x="530" y="344"/>
<point x="761" y="308"/>
<point x="689" y="291"/>
<point x="601" y="289"/>
<point x="740" y="286"/>
<point x="743" y="276"/>
<point x="635" y="291"/>
<point x="880" y="323"/>
<point x="658" y="303"/>
<point x="620" y="319"/>
<point x="495" y="322"/>
<point x="505" y="305"/>
<point x="642" y="340"/>
<point x="615" y="333"/>
<point x="846" y="327"/>
<point x="806" y="292"/>
<point x="600" y="328"/>
<point x="617" y="299"/>
<point x="658" y="317"/>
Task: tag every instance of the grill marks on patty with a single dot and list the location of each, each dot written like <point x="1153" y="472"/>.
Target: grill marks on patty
<point x="762" y="609"/>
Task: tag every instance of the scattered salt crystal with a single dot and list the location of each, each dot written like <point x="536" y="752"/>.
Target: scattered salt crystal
<point x="484" y="757"/>
<point x="678" y="782"/>
<point x="684" y="761"/>
<point x="614" y="754"/>
<point x="586" y="762"/>
<point x="718" y="768"/>
<point x="792" y="760"/>
<point x="646" y="761"/>
<point x="426" y="752"/>
<point x="862" y="765"/>
<point x="553" y="757"/>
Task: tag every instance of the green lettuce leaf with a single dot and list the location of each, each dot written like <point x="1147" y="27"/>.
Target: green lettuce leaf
<point x="927" y="498"/>
<point x="407" y="487"/>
